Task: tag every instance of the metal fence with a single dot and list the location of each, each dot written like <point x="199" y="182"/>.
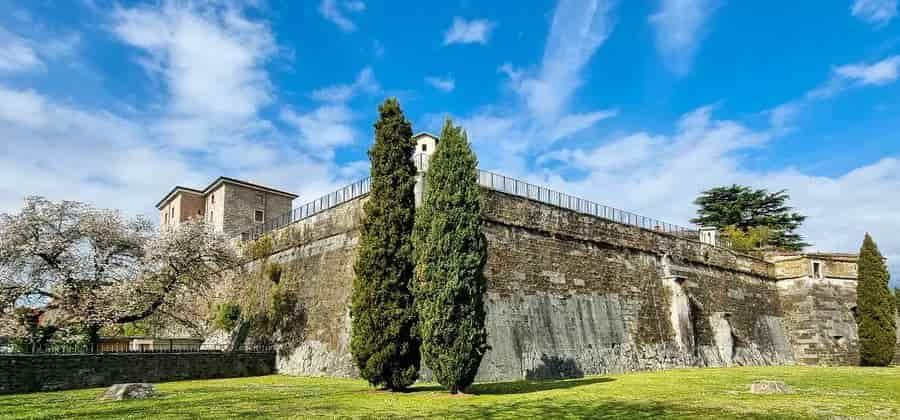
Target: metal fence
<point x="486" y="179"/>
<point x="524" y="189"/>
<point x="26" y="346"/>
<point x="327" y="201"/>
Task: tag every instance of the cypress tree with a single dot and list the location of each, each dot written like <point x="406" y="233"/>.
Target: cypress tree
<point x="875" y="308"/>
<point x="449" y="281"/>
<point x="384" y="337"/>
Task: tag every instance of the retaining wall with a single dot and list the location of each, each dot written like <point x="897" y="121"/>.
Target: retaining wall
<point x="20" y="373"/>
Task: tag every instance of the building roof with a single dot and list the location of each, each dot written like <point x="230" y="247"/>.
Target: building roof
<point x="171" y="194"/>
<point x="224" y="179"/>
<point x="215" y="184"/>
<point x="425" y="134"/>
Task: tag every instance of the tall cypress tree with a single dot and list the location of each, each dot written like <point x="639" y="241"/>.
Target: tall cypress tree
<point x="450" y="255"/>
<point x="875" y="308"/>
<point x="384" y="339"/>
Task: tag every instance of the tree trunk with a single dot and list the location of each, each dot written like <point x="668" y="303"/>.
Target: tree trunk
<point x="93" y="336"/>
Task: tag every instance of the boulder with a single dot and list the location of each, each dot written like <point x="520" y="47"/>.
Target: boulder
<point x="120" y="392"/>
<point x="770" y="387"/>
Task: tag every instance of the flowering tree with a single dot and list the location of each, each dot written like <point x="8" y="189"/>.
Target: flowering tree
<point x="94" y="267"/>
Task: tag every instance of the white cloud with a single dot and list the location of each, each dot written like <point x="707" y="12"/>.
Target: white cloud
<point x="878" y="12"/>
<point x="679" y="26"/>
<point x="475" y="31"/>
<point x="334" y="11"/>
<point x="324" y="128"/>
<point x="365" y="83"/>
<point x="210" y="61"/>
<point x="658" y="175"/>
<point x="446" y="84"/>
<point x="842" y="78"/>
<point x="24" y="54"/>
<point x="880" y="73"/>
<point x="578" y="29"/>
<point x="16" y="54"/>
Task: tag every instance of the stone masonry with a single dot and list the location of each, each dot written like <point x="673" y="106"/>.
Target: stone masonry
<point x="571" y="294"/>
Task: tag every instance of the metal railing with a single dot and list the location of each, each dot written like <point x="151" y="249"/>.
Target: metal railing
<point x="325" y="202"/>
<point x="486" y="179"/>
<point x="544" y="195"/>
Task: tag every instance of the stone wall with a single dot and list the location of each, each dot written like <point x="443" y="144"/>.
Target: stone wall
<point x="20" y="373"/>
<point x="569" y="294"/>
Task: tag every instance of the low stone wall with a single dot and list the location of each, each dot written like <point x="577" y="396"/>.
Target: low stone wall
<point x="20" y="373"/>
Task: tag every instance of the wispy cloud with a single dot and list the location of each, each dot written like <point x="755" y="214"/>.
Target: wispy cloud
<point x="365" y="83"/>
<point x="446" y="84"/>
<point x="335" y="11"/>
<point x="843" y="77"/>
<point x="540" y="113"/>
<point x="879" y="73"/>
<point x="24" y="54"/>
<point x="16" y="54"/>
<point x="462" y="31"/>
<point x="878" y="12"/>
<point x="679" y="26"/>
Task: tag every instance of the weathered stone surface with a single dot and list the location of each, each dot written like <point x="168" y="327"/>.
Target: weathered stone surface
<point x="51" y="372"/>
<point x="569" y="295"/>
<point x="134" y="391"/>
<point x="770" y="387"/>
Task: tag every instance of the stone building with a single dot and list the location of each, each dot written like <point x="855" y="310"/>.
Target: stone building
<point x="577" y="288"/>
<point x="232" y="206"/>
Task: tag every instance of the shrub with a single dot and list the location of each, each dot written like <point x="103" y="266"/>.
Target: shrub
<point x="227" y="316"/>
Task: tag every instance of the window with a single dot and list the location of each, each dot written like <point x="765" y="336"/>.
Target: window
<point x="260" y="200"/>
<point x="212" y="217"/>
<point x="258" y="216"/>
<point x="817" y="270"/>
<point x="424" y="147"/>
<point x="213" y="198"/>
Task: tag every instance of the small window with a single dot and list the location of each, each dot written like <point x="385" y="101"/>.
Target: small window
<point x="260" y="199"/>
<point x="212" y="216"/>
<point x="213" y="198"/>
<point x="258" y="216"/>
<point x="173" y="211"/>
<point x="424" y="147"/>
<point x="817" y="270"/>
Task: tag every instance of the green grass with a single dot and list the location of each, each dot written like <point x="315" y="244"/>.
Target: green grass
<point x="689" y="393"/>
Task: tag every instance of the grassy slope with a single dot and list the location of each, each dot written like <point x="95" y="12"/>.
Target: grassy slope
<point x="690" y="393"/>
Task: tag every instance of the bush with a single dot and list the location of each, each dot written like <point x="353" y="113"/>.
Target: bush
<point x="227" y="316"/>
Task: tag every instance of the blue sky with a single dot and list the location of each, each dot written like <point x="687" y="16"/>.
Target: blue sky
<point x="639" y="105"/>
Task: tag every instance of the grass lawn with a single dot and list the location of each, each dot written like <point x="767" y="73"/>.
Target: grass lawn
<point x="688" y="393"/>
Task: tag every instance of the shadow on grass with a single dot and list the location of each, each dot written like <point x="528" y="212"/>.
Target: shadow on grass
<point x="526" y="387"/>
<point x="517" y="387"/>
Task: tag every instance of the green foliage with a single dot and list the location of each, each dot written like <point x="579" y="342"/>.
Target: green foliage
<point x="384" y="338"/>
<point x="750" y="240"/>
<point x="745" y="208"/>
<point x="875" y="308"/>
<point x="227" y="316"/>
<point x="450" y="255"/>
<point x="272" y="272"/>
<point x="259" y="248"/>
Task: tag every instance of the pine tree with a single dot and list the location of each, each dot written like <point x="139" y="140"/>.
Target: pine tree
<point x="384" y="340"/>
<point x="450" y="255"/>
<point x="742" y="208"/>
<point x="875" y="308"/>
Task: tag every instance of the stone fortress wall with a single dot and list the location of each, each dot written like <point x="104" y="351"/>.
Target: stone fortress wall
<point x="572" y="294"/>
